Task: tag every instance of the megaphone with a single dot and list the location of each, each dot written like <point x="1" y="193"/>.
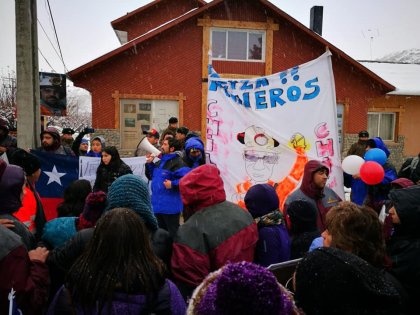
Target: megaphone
<point x="147" y="146"/>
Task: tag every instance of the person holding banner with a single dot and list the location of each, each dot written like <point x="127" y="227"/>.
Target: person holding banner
<point x="110" y="169"/>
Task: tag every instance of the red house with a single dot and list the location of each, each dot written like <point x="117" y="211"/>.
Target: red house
<point x="160" y="70"/>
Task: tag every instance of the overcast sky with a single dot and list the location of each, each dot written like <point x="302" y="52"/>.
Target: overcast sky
<point x="364" y="29"/>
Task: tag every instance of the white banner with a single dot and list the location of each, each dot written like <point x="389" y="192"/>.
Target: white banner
<point x="88" y="166"/>
<point x="264" y="130"/>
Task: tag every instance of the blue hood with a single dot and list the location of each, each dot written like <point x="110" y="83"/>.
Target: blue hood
<point x="195" y="143"/>
<point x="381" y="145"/>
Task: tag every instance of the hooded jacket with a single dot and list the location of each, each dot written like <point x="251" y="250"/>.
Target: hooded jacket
<point x="56" y="147"/>
<point x="273" y="244"/>
<point x="217" y="231"/>
<point x="404" y="245"/>
<point x="323" y="199"/>
<point x="97" y="154"/>
<point x="28" y="278"/>
<point x="194" y="143"/>
<point x="11" y="185"/>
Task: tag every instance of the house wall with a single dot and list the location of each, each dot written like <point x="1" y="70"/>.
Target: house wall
<point x="407" y="119"/>
<point x="152" y="17"/>
<point x="168" y="64"/>
<point x="171" y="63"/>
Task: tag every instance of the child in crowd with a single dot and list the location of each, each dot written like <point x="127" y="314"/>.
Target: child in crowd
<point x="97" y="145"/>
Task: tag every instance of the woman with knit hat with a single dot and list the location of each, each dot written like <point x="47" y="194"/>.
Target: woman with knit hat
<point x="273" y="244"/>
<point x="241" y="288"/>
<point x="118" y="273"/>
<point x="110" y="169"/>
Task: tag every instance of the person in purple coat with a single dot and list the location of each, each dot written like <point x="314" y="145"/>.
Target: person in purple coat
<point x="118" y="273"/>
<point x="273" y="244"/>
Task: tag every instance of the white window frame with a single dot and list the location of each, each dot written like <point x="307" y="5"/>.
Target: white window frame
<point x="378" y="127"/>
<point x="248" y="31"/>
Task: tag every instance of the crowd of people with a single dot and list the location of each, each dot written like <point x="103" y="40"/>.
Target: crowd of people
<point x="176" y="245"/>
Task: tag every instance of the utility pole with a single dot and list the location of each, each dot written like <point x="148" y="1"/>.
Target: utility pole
<point x="27" y="77"/>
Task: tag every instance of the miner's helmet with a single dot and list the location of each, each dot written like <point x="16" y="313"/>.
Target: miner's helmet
<point x="50" y="81"/>
<point x="256" y="137"/>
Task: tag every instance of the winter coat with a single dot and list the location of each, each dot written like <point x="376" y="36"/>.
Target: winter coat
<point x="273" y="245"/>
<point x="216" y="231"/>
<point x="107" y="174"/>
<point x="301" y="243"/>
<point x="28" y="278"/>
<point x="11" y="183"/>
<point x="323" y="199"/>
<point x="194" y="143"/>
<point x="32" y="212"/>
<point x="404" y="246"/>
<point x="167" y="300"/>
<point x="171" y="167"/>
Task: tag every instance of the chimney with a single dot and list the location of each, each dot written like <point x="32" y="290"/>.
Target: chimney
<point x="315" y="23"/>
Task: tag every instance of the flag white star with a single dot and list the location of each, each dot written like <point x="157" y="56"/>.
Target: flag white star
<point x="54" y="176"/>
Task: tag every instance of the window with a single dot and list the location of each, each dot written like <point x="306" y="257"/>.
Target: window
<point x="229" y="44"/>
<point x="381" y="125"/>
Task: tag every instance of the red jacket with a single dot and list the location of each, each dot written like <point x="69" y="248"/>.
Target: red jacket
<point x="28" y="278"/>
<point x="216" y="232"/>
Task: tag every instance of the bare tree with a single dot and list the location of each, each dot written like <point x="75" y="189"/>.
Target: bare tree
<point x="8" y="99"/>
<point x="76" y="118"/>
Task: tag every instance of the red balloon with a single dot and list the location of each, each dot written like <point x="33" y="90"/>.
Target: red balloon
<point x="372" y="173"/>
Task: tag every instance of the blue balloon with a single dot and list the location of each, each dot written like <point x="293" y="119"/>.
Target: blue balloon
<point x="376" y="155"/>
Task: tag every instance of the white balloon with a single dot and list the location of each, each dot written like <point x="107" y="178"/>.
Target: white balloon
<point x="352" y="163"/>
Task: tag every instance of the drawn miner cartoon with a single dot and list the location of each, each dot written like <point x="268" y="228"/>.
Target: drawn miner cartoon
<point x="261" y="154"/>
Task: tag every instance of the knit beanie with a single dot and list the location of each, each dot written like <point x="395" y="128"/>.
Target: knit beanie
<point x="130" y="191"/>
<point x="241" y="288"/>
<point x="94" y="207"/>
<point x="261" y="199"/>
<point x="302" y="215"/>
<point x="59" y="230"/>
<point x="332" y="281"/>
<point x="29" y="162"/>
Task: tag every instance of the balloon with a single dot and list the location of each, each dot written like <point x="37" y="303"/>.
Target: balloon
<point x="372" y="173"/>
<point x="376" y="155"/>
<point x="352" y="163"/>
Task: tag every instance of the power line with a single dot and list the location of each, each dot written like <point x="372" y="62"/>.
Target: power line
<point x="56" y="36"/>
<point x="52" y="45"/>
<point x="46" y="59"/>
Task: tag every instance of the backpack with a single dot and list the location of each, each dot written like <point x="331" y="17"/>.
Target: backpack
<point x="408" y="167"/>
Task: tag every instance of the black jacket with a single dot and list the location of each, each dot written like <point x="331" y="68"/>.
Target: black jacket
<point x="404" y="245"/>
<point x="106" y="175"/>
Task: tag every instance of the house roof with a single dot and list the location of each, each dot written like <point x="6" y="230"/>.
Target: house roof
<point x="405" y="77"/>
<point x="196" y="12"/>
<point x="114" y="23"/>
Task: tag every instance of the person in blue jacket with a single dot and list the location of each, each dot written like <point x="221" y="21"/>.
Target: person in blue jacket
<point x="165" y="175"/>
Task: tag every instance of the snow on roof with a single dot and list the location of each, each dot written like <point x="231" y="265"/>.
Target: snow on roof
<point x="405" y="77"/>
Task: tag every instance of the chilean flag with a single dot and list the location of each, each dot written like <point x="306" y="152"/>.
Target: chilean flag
<point x="57" y="172"/>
